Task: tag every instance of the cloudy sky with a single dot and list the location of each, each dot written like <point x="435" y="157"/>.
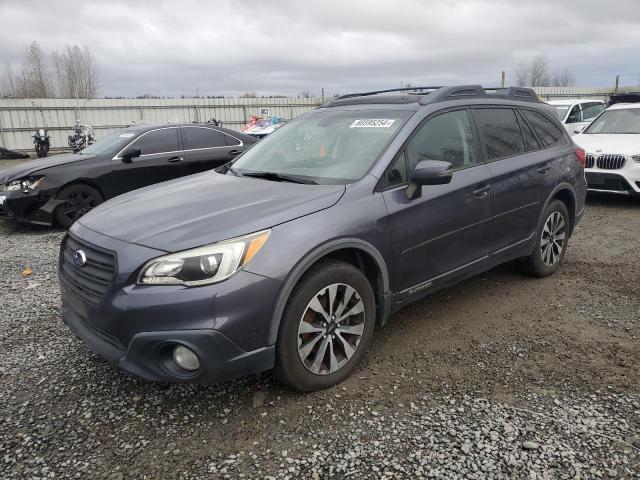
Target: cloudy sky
<point x="289" y="46"/>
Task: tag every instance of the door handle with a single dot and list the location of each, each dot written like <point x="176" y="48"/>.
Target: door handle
<point x="544" y="169"/>
<point x="175" y="160"/>
<point x="233" y="153"/>
<point x="482" y="191"/>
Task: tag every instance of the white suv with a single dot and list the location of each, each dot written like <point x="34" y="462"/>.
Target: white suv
<point x="612" y="143"/>
<point x="575" y="114"/>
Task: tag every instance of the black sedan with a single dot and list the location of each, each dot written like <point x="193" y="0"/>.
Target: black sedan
<point x="62" y="188"/>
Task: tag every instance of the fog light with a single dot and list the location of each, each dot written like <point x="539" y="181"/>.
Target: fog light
<point x="186" y="358"/>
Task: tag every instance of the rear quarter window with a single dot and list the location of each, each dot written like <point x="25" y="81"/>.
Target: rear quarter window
<point x="547" y="131"/>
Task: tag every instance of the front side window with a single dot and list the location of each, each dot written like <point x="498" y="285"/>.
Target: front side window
<point x="548" y="133"/>
<point x="325" y="146"/>
<point x="447" y="137"/>
<point x="201" y="137"/>
<point x="500" y="132"/>
<point x="591" y="111"/>
<point x="163" y="140"/>
<point x="621" y="120"/>
<point x="575" y="115"/>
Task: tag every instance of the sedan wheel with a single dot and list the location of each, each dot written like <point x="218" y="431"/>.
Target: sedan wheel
<point x="78" y="200"/>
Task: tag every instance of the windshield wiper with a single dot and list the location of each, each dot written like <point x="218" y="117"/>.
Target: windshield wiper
<point x="278" y="177"/>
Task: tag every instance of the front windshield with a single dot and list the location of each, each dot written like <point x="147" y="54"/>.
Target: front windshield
<point x="623" y="120"/>
<point x="325" y="146"/>
<point x="110" y="144"/>
<point x="561" y="111"/>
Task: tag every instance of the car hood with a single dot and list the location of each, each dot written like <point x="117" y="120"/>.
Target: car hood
<point x="623" y="144"/>
<point x="206" y="208"/>
<point x="32" y="166"/>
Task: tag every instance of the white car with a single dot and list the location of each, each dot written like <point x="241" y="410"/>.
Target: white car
<point x="575" y="114"/>
<point x="612" y="145"/>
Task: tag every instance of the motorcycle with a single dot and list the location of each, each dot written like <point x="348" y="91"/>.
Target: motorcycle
<point x="42" y="142"/>
<point x="82" y="138"/>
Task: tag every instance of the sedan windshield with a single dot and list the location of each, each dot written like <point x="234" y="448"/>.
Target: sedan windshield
<point x="561" y="111"/>
<point x="623" y="120"/>
<point x="324" y="146"/>
<point x="112" y="143"/>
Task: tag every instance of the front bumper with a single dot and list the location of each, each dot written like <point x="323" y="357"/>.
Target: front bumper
<point x="36" y="207"/>
<point x="624" y="181"/>
<point x="136" y="327"/>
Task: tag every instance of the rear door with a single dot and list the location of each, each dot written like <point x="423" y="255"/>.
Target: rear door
<point x="523" y="174"/>
<point x="446" y="231"/>
<point x="207" y="148"/>
<point x="161" y="160"/>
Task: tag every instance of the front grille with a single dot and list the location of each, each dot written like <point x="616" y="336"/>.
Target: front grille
<point x="91" y="280"/>
<point x="611" y="162"/>
<point x="590" y="161"/>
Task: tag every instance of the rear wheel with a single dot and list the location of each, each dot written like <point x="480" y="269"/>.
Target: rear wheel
<point x="326" y="328"/>
<point x="551" y="241"/>
<point x="78" y="200"/>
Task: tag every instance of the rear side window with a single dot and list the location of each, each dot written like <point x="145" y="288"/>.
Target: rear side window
<point x="530" y="141"/>
<point x="158" y="141"/>
<point x="548" y="133"/>
<point x="591" y="111"/>
<point x="200" y="137"/>
<point x="231" y="141"/>
<point x="500" y="132"/>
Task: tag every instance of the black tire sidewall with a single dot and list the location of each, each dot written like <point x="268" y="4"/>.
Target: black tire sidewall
<point x="60" y="218"/>
<point x="289" y="367"/>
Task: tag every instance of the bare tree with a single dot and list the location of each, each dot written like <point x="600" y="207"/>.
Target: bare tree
<point x="536" y="73"/>
<point x="31" y="80"/>
<point x="77" y="72"/>
<point x="306" y="94"/>
<point x="7" y="82"/>
<point x="563" y="78"/>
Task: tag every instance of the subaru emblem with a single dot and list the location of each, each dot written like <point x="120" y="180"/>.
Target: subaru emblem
<point x="79" y="258"/>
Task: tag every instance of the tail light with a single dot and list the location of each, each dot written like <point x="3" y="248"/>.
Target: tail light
<point x="582" y="156"/>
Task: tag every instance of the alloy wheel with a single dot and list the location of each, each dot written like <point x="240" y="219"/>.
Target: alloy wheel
<point x="331" y="329"/>
<point x="77" y="204"/>
<point x="553" y="238"/>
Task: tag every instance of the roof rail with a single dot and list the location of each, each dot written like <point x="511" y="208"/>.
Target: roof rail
<point x="440" y="94"/>
<point x="375" y="92"/>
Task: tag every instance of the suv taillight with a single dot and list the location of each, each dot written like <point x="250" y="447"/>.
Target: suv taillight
<point x="582" y="156"/>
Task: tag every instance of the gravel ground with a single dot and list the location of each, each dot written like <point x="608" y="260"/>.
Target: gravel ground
<point x="503" y="376"/>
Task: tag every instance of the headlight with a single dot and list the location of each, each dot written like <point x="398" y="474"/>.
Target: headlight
<point x="203" y="265"/>
<point x="30" y="183"/>
<point x="636" y="158"/>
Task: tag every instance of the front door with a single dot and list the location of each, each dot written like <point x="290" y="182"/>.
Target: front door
<point x="161" y="159"/>
<point x="447" y="230"/>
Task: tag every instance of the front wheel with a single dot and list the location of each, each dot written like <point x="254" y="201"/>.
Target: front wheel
<point x="78" y="200"/>
<point x="326" y="327"/>
<point x="551" y="241"/>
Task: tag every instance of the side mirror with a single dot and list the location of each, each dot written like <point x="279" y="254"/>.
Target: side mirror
<point x="428" y="172"/>
<point x="130" y="153"/>
<point x="579" y="129"/>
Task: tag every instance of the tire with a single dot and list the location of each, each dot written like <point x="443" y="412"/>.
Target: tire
<point x="551" y="241"/>
<point x="79" y="199"/>
<point x="301" y="362"/>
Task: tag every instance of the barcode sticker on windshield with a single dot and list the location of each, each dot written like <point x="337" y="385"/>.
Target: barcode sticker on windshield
<point x="126" y="135"/>
<point x="372" y="123"/>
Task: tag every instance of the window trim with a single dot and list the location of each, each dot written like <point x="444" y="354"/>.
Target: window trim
<point x="563" y="131"/>
<point x="523" y="121"/>
<point x="118" y="157"/>
<point x="241" y="144"/>
<point x="381" y="184"/>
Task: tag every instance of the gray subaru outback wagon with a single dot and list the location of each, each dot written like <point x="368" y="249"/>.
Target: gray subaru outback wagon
<point x="289" y="256"/>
